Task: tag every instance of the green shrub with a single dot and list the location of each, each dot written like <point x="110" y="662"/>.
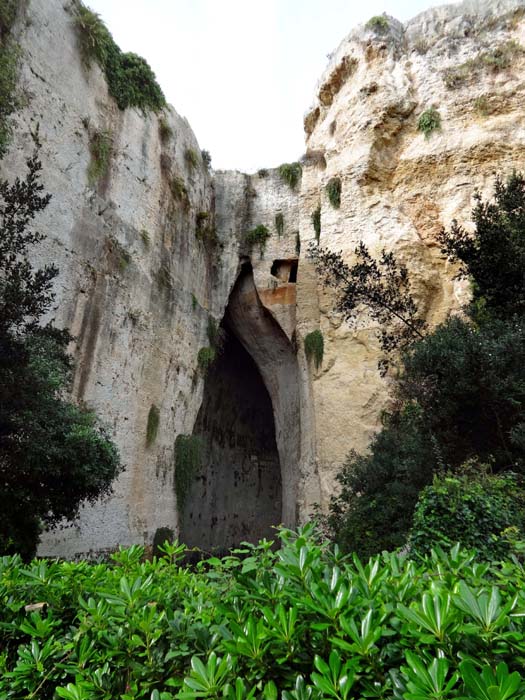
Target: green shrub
<point x="316" y="221"/>
<point x="93" y="36"/>
<point x="205" y="358"/>
<point x="314" y="347"/>
<point x="297" y="622"/>
<point x="262" y="172"/>
<point x="101" y="150"/>
<point x="191" y="158"/>
<point x="429" y="121"/>
<point x="146" y="239"/>
<point x="258" y="236"/>
<point x="279" y="223"/>
<point x="333" y="190"/>
<point x="165" y="130"/>
<point x="152" y="427"/>
<point x="290" y="173"/>
<point x="493" y="258"/>
<point x="475" y="509"/>
<point x="130" y="79"/>
<point x="188" y="458"/>
<point x="194" y="302"/>
<point x="378" y="24"/>
<point x="206" y="158"/>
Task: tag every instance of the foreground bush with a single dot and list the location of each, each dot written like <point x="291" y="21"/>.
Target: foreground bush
<point x="477" y="509"/>
<point x="301" y="623"/>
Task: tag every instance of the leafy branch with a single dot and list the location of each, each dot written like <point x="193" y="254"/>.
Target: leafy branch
<point x="382" y="286"/>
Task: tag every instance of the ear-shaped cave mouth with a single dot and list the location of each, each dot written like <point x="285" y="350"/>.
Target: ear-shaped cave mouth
<point x="248" y="431"/>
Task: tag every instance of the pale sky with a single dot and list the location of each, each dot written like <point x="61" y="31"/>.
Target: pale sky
<point x="243" y="72"/>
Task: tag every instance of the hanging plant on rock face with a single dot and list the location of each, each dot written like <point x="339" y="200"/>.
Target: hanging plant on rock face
<point x="258" y="236"/>
<point x="333" y="190"/>
<point x="314" y="347"/>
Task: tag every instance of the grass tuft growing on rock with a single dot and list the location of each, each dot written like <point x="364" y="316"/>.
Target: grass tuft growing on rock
<point x="178" y="189"/>
<point x="165" y="130"/>
<point x="291" y="174"/>
<point x="101" y="150"/>
<point x="429" y="121"/>
<point x="258" y="236"/>
<point x="333" y="190"/>
<point x="191" y="158"/>
<point x="205" y="358"/>
<point x="152" y="427"/>
<point x="314" y="347"/>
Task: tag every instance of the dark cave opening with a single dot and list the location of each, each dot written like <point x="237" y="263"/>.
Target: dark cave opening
<point x="237" y="493"/>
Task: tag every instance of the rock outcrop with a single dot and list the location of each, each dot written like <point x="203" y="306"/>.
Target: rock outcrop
<point x="139" y="282"/>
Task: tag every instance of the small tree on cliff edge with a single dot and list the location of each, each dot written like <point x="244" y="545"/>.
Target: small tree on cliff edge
<point x="53" y="454"/>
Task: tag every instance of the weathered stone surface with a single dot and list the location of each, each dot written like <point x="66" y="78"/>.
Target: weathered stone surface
<point x="400" y="188"/>
<point x="137" y="287"/>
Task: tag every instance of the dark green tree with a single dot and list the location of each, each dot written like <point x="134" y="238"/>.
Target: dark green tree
<point x="53" y="454"/>
<point x="460" y="391"/>
<point x="493" y="259"/>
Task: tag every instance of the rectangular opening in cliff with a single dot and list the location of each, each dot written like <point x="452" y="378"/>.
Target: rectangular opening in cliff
<point x="285" y="270"/>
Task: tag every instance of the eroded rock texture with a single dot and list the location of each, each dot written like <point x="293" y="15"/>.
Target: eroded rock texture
<point x="138" y="285"/>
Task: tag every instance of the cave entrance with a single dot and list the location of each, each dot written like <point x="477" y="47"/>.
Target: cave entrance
<point x="237" y="493"/>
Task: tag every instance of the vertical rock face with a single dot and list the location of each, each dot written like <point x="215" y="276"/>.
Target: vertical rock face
<point x="138" y="284"/>
<point x="400" y="187"/>
<point x="136" y="287"/>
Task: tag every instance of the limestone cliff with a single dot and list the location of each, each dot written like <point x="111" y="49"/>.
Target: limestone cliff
<point x="139" y="283"/>
<point x="399" y="187"/>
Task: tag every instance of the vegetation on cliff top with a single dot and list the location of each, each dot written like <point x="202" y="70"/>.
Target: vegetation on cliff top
<point x="130" y="79"/>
